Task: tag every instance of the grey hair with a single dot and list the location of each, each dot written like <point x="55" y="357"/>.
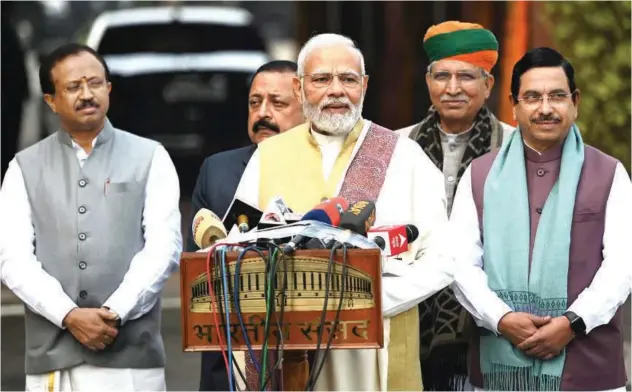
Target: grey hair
<point x="323" y="41"/>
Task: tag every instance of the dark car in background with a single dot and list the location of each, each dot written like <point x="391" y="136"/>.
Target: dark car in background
<point x="180" y="75"/>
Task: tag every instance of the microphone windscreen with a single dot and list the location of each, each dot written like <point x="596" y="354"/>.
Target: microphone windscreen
<point x="359" y="217"/>
<point x="327" y="212"/>
<point x="340" y="202"/>
<point x="412" y="232"/>
<point x="319" y="215"/>
<point x="379" y="241"/>
<point x="207" y="228"/>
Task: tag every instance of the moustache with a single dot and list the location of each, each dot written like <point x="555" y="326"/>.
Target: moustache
<point x="463" y="98"/>
<point x="332" y="101"/>
<point x="263" y="123"/>
<point x="87" y="104"/>
<point x="546" y="118"/>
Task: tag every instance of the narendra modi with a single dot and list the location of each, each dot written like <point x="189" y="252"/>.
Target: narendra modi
<point x="338" y="153"/>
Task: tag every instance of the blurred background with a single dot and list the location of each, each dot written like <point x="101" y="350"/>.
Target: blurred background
<point x="197" y="113"/>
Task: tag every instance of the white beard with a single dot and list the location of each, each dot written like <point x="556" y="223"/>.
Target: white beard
<point x="337" y="124"/>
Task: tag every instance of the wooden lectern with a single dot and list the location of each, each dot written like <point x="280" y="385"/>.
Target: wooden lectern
<point x="360" y="319"/>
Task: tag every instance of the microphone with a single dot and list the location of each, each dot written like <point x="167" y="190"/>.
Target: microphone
<point x="274" y="214"/>
<point x="393" y="239"/>
<point x="359" y="217"/>
<point x="327" y="212"/>
<point x="242" y="223"/>
<point x="242" y="215"/>
<point x="207" y="228"/>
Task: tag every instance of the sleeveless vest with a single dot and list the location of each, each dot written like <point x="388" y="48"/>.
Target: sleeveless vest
<point x="86" y="234"/>
<point x="594" y="361"/>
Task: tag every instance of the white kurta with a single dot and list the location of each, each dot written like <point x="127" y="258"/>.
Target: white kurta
<point x="413" y="192"/>
<point x="137" y="294"/>
<point x="596" y="305"/>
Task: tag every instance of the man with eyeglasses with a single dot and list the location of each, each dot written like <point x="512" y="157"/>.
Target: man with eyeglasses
<point x="339" y="153"/>
<point x="552" y="220"/>
<point x="457" y="129"/>
<point x="90" y="232"/>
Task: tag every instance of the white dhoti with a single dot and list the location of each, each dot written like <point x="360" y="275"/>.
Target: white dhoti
<point x="91" y="378"/>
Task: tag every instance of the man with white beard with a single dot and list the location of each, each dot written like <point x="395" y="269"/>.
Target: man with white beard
<point x="338" y="153"/>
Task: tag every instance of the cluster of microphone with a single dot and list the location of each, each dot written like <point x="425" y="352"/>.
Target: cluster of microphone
<point x="336" y="214"/>
<point x="332" y="224"/>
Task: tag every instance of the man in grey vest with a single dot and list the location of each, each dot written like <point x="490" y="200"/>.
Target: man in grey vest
<point x="457" y="129"/>
<point x="90" y="233"/>
<point x="552" y="220"/>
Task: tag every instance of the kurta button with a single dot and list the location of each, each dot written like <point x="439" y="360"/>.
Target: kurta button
<point x="82" y="210"/>
<point x="82" y="265"/>
<point x="82" y="236"/>
<point x="540" y="172"/>
<point x="538" y="210"/>
<point x="83" y="182"/>
<point x="450" y="178"/>
<point x="83" y="294"/>
<point x="452" y="147"/>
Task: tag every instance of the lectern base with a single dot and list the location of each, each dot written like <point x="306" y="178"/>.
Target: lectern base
<point x="295" y="370"/>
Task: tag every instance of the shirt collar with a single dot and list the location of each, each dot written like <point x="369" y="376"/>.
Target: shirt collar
<point x="102" y="137"/>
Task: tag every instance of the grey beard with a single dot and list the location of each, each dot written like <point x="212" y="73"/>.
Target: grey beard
<point x="333" y="123"/>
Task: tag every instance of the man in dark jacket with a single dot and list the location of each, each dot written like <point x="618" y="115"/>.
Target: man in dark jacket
<point x="272" y="108"/>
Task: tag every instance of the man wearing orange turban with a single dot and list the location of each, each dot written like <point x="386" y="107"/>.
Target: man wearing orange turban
<point x="457" y="129"/>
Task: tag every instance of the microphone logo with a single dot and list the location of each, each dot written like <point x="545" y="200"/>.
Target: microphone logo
<point x="397" y="241"/>
<point x="357" y="207"/>
<point x="196" y="223"/>
<point x="370" y="221"/>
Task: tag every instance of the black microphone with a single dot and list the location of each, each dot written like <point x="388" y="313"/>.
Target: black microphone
<point x="359" y="217"/>
<point x="412" y="232"/>
<point x="393" y="239"/>
<point x="327" y="212"/>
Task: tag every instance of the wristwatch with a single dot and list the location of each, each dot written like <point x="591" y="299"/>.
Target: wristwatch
<point x="577" y="323"/>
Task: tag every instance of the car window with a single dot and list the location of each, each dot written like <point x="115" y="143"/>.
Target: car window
<point x="179" y="38"/>
<point x="168" y="105"/>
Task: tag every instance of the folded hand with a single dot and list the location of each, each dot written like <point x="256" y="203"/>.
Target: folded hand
<point x="549" y="340"/>
<point x="518" y="326"/>
<point x="87" y="325"/>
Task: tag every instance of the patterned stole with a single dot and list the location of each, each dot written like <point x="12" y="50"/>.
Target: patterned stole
<point x="367" y="171"/>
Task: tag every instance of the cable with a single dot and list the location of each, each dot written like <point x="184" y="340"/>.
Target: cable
<point x="238" y="305"/>
<point x="345" y="274"/>
<point x="269" y="297"/>
<point x="228" y="329"/>
<point x="241" y="374"/>
<point x="272" y="374"/>
<point x="283" y="294"/>
<point x="215" y="302"/>
<point x="218" y="289"/>
<point x="323" y="315"/>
